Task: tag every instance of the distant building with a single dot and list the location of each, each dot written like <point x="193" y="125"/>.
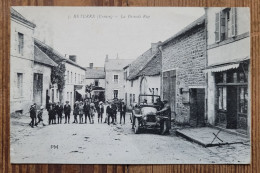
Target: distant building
<point x="142" y="76"/>
<point x="74" y="88"/>
<point x="21" y="63"/>
<point x="183" y="79"/>
<point x="114" y="85"/>
<point x="228" y="38"/>
<point x="95" y="77"/>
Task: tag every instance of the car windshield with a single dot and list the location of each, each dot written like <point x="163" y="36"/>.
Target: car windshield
<point x="148" y="99"/>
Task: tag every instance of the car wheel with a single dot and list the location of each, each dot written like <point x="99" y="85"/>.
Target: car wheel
<point x="136" y="126"/>
<point x="163" y="128"/>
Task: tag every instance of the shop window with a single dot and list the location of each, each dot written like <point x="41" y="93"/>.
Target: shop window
<point x="243" y="99"/>
<point x="222" y="98"/>
<point x="221" y="77"/>
<point x="231" y="76"/>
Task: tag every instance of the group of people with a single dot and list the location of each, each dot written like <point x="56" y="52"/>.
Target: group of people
<point x="82" y="112"/>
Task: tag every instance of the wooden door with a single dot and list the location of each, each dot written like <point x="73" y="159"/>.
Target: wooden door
<point x="37" y="88"/>
<point x="169" y="87"/>
<point x="197" y="107"/>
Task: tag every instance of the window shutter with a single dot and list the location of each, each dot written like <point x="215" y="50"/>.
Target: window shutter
<point x="233" y="22"/>
<point x="222" y="25"/>
<point x="217" y="27"/>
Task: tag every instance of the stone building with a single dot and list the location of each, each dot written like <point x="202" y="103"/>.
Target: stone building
<point x="74" y="88"/>
<point x="95" y="77"/>
<point x="142" y="76"/>
<point x="228" y="38"/>
<point x="21" y="63"/>
<point x="114" y="79"/>
<point x="183" y="81"/>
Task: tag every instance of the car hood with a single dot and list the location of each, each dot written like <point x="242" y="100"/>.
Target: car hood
<point x="148" y="111"/>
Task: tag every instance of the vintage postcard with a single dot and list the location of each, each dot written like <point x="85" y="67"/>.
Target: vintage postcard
<point x="130" y="85"/>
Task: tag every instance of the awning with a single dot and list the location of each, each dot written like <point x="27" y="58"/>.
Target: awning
<point x="221" y="68"/>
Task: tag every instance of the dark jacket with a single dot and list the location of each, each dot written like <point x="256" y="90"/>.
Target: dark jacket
<point x="109" y="111"/>
<point x="52" y="113"/>
<point x="122" y="108"/>
<point x="33" y="112"/>
<point x="76" y="110"/>
<point x="113" y="106"/>
<point x="67" y="109"/>
<point x="86" y="109"/>
<point x="100" y="109"/>
<point x="59" y="109"/>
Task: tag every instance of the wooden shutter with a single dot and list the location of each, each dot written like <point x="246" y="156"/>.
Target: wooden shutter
<point x="217" y="27"/>
<point x="233" y="22"/>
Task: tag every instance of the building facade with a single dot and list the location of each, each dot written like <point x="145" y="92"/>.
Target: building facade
<point x="114" y="79"/>
<point x="95" y="80"/>
<point x="142" y="76"/>
<point x="228" y="38"/>
<point x="21" y="63"/>
<point x="183" y="81"/>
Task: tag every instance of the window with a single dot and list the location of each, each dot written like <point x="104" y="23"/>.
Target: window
<point x="222" y="98"/>
<point x="68" y="76"/>
<point x="19" y="84"/>
<point x="243" y="99"/>
<point x="125" y="75"/>
<point x="68" y="97"/>
<point x="225" y="24"/>
<point x="75" y="77"/>
<point x="115" y="78"/>
<point x="78" y="78"/>
<point x="20" y="43"/>
<point x="71" y="77"/>
<point x="71" y="98"/>
<point x="115" y="93"/>
<point x="57" y="94"/>
<point x="130" y="99"/>
<point x="96" y="82"/>
<point x="133" y="98"/>
<point x="132" y="83"/>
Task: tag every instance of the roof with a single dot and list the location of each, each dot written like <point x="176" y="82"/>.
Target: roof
<point x="95" y="73"/>
<point x="153" y="67"/>
<point x="139" y="64"/>
<point x="195" y="23"/>
<point x="21" y="18"/>
<point x="116" y="64"/>
<point x="41" y="57"/>
<point x="53" y="54"/>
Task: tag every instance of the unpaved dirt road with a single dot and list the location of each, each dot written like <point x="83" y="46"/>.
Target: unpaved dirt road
<point x="111" y="144"/>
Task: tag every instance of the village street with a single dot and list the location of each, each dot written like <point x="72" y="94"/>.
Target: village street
<point x="110" y="144"/>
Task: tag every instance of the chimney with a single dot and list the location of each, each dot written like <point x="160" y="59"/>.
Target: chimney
<point x="91" y="65"/>
<point x="155" y="47"/>
<point x="73" y="58"/>
<point x="106" y="58"/>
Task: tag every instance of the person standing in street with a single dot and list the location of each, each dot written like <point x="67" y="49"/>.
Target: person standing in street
<point x="54" y="107"/>
<point x="165" y="111"/>
<point x="86" y="111"/>
<point x="109" y="112"/>
<point x="39" y="116"/>
<point x="59" y="109"/>
<point x="122" y="109"/>
<point x="76" y="112"/>
<point x="100" y="111"/>
<point x="33" y="115"/>
<point x="52" y="114"/>
<point x="81" y="111"/>
<point x="114" y="108"/>
<point x="92" y="112"/>
<point x="67" y="110"/>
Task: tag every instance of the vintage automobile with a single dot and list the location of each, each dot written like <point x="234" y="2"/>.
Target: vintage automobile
<point x="144" y="115"/>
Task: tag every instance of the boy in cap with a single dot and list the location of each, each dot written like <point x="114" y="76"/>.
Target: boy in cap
<point x="33" y="115"/>
<point x="39" y="116"/>
<point x="59" y="109"/>
<point x="67" y="110"/>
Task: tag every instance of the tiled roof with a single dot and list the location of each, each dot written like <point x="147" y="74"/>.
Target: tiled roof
<point x="136" y="66"/>
<point x="117" y="64"/>
<point x="53" y="54"/>
<point x="95" y="73"/>
<point x="18" y="16"/>
<point x="195" y="23"/>
<point x="41" y="57"/>
<point x="153" y="67"/>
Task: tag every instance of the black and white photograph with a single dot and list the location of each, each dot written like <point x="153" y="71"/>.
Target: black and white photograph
<point x="130" y="85"/>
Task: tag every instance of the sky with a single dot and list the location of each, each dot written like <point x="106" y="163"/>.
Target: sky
<point x="91" y="33"/>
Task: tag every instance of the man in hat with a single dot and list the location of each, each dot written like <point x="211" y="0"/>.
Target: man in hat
<point x="166" y="111"/>
<point x="81" y="112"/>
<point x="51" y="113"/>
<point x="86" y="111"/>
<point x="59" y="109"/>
<point x="100" y="111"/>
<point x="110" y="113"/>
<point x="33" y="115"/>
<point x="67" y="110"/>
<point x="76" y="112"/>
<point x="122" y="109"/>
<point x="39" y="116"/>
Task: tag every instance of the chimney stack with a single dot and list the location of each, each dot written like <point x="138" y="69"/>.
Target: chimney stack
<point x="91" y="65"/>
<point x="106" y="58"/>
<point x="155" y="47"/>
<point x="73" y="58"/>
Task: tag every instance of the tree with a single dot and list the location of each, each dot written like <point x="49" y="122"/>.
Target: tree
<point x="58" y="76"/>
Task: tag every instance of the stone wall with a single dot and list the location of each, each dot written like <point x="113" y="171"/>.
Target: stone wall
<point x="187" y="55"/>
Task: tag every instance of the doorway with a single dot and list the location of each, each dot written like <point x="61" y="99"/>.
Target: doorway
<point x="197" y="107"/>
